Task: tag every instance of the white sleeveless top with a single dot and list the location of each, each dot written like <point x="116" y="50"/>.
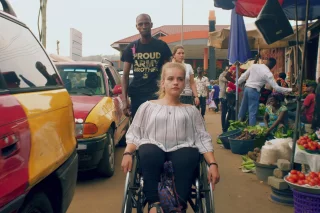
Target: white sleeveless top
<point x="187" y="90"/>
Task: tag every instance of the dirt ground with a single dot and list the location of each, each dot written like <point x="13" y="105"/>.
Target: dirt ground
<point x="237" y="192"/>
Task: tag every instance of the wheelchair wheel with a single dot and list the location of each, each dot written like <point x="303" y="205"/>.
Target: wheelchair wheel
<point x="207" y="198"/>
<point x="129" y="188"/>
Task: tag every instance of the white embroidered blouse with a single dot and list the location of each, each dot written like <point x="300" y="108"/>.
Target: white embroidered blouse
<point x="169" y="127"/>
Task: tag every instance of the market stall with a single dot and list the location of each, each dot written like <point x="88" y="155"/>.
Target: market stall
<point x="276" y="158"/>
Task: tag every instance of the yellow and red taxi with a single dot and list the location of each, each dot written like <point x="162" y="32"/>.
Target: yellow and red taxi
<point x="95" y="90"/>
<point x="38" y="158"/>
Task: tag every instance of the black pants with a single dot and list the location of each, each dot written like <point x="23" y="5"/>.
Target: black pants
<point x="224" y="110"/>
<point x="137" y="100"/>
<point x="184" y="161"/>
<point x="217" y="102"/>
<point x="202" y="106"/>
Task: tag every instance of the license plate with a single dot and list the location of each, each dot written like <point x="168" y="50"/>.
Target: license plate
<point x="81" y="147"/>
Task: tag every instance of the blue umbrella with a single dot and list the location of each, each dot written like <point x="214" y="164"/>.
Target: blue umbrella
<point x="239" y="50"/>
<point x="289" y="9"/>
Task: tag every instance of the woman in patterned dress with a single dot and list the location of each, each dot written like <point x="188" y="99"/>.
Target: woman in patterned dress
<point x="276" y="114"/>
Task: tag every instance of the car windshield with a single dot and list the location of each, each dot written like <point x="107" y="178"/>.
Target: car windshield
<point x="82" y="80"/>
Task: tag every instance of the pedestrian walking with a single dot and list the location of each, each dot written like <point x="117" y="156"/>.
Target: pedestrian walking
<point x="181" y="138"/>
<point x="147" y="55"/>
<point x="223" y="81"/>
<point x="202" y="83"/>
<point x="189" y="94"/>
<point x="257" y="76"/>
<point x="216" y="95"/>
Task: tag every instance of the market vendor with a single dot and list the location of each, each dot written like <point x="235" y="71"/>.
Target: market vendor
<point x="309" y="102"/>
<point x="276" y="114"/>
<point x="257" y="76"/>
<point x="316" y="113"/>
<point x="281" y="81"/>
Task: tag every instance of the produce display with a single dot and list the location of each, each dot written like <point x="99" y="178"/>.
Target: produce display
<point x="308" y="144"/>
<point x="247" y="164"/>
<point x="237" y="125"/>
<point x="262" y="109"/>
<point x="280" y="133"/>
<point x="305" y="180"/>
<point x="252" y="132"/>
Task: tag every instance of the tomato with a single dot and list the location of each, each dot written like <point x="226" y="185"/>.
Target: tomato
<point x="293" y="172"/>
<point x="313" y="175"/>
<point x="318" y="146"/>
<point x="302" y="141"/>
<point x="301" y="176"/>
<point x="316" y="180"/>
<point x="294" y="177"/>
<point x="300" y="182"/>
<point x="312" y="183"/>
<point x="319" y="175"/>
<point x="305" y="146"/>
<point x="309" y="140"/>
<point x="313" y="148"/>
<point x="291" y="180"/>
<point x="305" y="182"/>
<point x="305" y="137"/>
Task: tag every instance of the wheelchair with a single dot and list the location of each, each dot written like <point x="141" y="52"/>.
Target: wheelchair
<point x="201" y="199"/>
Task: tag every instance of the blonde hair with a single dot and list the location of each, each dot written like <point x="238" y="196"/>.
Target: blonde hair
<point x="176" y="48"/>
<point x="170" y="65"/>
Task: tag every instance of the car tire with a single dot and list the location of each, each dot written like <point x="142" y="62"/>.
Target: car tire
<point x="38" y="203"/>
<point x="107" y="163"/>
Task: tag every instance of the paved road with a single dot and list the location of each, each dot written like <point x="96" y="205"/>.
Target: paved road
<point x="236" y="190"/>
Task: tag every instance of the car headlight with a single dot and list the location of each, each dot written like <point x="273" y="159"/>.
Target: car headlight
<point x="85" y="129"/>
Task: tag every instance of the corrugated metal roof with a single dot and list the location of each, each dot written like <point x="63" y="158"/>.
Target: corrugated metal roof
<point x="171" y="29"/>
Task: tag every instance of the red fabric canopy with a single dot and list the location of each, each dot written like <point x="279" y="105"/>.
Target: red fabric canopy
<point x="251" y="8"/>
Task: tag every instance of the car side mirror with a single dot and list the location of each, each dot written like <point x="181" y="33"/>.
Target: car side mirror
<point x="117" y="90"/>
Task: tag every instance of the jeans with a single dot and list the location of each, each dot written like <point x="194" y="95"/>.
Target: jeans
<point x="250" y="103"/>
<point x="292" y="116"/>
<point x="136" y="101"/>
<point x="202" y="106"/>
<point x="224" y="109"/>
<point x="184" y="161"/>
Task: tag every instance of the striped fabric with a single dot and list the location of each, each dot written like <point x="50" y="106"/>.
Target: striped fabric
<point x="169" y="127"/>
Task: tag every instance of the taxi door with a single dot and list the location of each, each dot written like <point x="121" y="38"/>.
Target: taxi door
<point x="114" y="85"/>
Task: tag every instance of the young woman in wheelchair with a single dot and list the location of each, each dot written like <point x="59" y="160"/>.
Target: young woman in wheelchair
<point x="167" y="130"/>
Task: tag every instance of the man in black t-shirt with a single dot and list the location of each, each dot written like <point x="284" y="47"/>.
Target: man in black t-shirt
<point x="147" y="56"/>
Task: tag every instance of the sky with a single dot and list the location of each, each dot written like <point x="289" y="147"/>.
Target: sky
<point x="103" y="22"/>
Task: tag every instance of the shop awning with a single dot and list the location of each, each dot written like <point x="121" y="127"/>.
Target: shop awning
<point x="252" y="8"/>
<point x="220" y="39"/>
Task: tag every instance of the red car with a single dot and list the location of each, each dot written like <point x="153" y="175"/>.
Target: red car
<point x="95" y="90"/>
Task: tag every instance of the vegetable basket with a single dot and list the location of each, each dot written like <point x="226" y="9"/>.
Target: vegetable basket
<point x="241" y="147"/>
<point x="224" y="137"/>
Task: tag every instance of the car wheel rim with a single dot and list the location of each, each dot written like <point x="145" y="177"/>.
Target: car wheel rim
<point x="111" y="152"/>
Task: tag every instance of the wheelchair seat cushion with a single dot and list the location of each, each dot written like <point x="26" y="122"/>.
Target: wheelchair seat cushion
<point x="167" y="191"/>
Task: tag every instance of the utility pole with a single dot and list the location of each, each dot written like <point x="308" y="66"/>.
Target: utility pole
<point x="43" y="30"/>
<point x="58" y="48"/>
<point x="182" y="11"/>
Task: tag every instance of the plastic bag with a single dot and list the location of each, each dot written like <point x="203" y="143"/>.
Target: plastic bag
<point x="269" y="155"/>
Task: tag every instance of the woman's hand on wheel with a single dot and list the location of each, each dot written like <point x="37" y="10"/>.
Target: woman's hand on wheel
<point x="213" y="175"/>
<point x="126" y="164"/>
